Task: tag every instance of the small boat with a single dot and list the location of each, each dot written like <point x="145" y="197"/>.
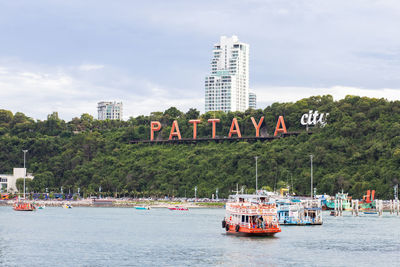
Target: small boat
<point x="142" y="208"/>
<point x="370" y="212"/>
<point x="67" y="206"/>
<point x="251" y="215"/>
<point x="178" y="208"/>
<point x="22" y="206"/>
<point x="41" y="207"/>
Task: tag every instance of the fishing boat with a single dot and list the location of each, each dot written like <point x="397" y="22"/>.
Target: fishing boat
<point x="251" y="215"/>
<point x="342" y="198"/>
<point x="368" y="202"/>
<point x="24" y="206"/>
<point x="178" y="208"/>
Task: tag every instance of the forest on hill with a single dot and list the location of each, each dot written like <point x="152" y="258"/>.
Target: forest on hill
<point x="358" y="149"/>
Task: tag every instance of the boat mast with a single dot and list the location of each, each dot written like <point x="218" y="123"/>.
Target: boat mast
<point x="24" y="170"/>
<point x="256" y="157"/>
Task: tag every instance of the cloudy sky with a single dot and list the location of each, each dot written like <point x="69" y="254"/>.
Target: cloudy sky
<point x="66" y="56"/>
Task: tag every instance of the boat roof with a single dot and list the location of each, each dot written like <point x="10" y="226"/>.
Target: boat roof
<point x="249" y="197"/>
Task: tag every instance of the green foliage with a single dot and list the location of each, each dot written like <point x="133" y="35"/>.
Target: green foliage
<point x="20" y="184"/>
<point x="359" y="149"/>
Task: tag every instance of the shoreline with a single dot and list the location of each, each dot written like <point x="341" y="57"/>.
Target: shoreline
<point x="111" y="203"/>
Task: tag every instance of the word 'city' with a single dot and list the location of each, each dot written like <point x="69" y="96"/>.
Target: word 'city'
<point x="314" y="118"/>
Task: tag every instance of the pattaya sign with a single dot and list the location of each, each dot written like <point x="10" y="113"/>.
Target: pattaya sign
<point x="314" y="118"/>
<point x="155" y="126"/>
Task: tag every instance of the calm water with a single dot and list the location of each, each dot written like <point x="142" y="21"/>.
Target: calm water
<point x="160" y="237"/>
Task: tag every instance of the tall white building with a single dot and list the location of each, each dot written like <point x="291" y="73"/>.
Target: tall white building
<point x="227" y="87"/>
<point x="109" y="110"/>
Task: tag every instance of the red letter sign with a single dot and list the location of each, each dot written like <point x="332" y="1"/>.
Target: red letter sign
<point x="173" y="132"/>
<point x="280" y="130"/>
<point x="195" y="122"/>
<point x="234" y="125"/>
<point x="257" y="126"/>
<point x="214" y="121"/>
<point x="154" y="126"/>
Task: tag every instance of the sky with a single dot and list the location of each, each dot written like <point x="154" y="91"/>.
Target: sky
<point x="66" y="56"/>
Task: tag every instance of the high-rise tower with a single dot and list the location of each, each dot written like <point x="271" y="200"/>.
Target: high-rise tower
<point x="227" y="87"/>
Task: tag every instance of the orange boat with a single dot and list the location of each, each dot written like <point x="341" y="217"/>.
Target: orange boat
<point x="251" y="215"/>
<point x="22" y="206"/>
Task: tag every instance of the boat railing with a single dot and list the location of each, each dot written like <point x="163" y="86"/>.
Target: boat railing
<point x="260" y="225"/>
<point x="253" y="212"/>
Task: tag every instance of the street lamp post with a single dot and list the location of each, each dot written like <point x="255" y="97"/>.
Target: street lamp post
<point x="256" y="174"/>
<point x="24" y="169"/>
<point x="311" y="157"/>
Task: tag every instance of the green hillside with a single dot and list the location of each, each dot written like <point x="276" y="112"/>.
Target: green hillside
<point x="359" y="149"/>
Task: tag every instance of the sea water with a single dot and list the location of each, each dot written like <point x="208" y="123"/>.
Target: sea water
<point x="160" y="237"/>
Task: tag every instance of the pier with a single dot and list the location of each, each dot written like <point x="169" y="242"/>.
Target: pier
<point x="381" y="206"/>
<point x="391" y="206"/>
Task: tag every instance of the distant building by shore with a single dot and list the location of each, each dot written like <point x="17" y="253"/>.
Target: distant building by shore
<point x="252" y="100"/>
<point x="8" y="182"/>
<point x="109" y="110"/>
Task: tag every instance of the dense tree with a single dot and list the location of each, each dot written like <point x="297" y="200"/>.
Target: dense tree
<point x="359" y="149"/>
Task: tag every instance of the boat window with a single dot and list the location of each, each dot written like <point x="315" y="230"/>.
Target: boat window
<point x="242" y="218"/>
<point x="247" y="219"/>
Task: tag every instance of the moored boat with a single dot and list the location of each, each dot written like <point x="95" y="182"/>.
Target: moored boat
<point x="297" y="212"/>
<point x="142" y="208"/>
<point x="342" y="198"/>
<point x="24" y="206"/>
<point x="368" y="202"/>
<point x="370" y="212"/>
<point x="251" y="215"/>
<point x="178" y="208"/>
<point x="67" y="206"/>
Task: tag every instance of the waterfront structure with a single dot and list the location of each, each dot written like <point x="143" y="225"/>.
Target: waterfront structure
<point x="109" y="110"/>
<point x="252" y="100"/>
<point x="8" y="182"/>
<point x="299" y="212"/>
<point x="227" y="86"/>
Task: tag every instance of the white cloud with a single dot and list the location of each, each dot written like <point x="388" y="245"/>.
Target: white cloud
<point x="267" y="95"/>
<point x="38" y="91"/>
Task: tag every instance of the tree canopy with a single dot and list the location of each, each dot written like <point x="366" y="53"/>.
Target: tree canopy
<point x="359" y="149"/>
